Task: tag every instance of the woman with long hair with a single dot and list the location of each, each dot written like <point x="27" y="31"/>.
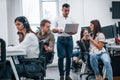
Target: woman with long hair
<point x="30" y="44"/>
<point x="97" y="51"/>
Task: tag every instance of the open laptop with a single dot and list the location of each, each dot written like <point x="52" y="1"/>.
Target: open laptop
<point x="71" y="28"/>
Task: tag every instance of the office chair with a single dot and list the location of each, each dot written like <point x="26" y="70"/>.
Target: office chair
<point x="41" y="63"/>
<point x="3" y="57"/>
<point x="41" y="66"/>
<point x="85" y="58"/>
<point x="86" y="63"/>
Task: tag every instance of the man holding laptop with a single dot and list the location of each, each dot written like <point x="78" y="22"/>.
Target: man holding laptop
<point x="64" y="41"/>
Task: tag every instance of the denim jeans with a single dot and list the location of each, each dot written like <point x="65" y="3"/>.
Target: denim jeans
<point x="76" y="53"/>
<point x="64" y="50"/>
<point x="106" y="61"/>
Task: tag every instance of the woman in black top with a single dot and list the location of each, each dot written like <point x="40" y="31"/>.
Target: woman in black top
<point x="83" y="43"/>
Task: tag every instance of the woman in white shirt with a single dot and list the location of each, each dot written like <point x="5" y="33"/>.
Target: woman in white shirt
<point x="30" y="44"/>
<point x="97" y="51"/>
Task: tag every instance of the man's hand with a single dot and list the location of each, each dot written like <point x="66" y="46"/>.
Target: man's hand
<point x="47" y="48"/>
<point x="60" y="31"/>
<point x="57" y="30"/>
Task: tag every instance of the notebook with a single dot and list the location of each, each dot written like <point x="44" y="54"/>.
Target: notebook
<point x="71" y="28"/>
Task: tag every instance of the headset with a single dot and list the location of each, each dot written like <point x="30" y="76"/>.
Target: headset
<point x="25" y="22"/>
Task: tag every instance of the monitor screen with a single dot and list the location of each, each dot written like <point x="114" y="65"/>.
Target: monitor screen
<point x="109" y="31"/>
<point x="118" y="30"/>
<point x="116" y="9"/>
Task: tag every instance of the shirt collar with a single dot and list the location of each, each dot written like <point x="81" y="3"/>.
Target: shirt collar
<point x="64" y="17"/>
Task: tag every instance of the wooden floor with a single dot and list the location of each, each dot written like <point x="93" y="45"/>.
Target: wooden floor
<point x="116" y="78"/>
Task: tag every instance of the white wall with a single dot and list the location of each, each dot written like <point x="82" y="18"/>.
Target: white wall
<point x="14" y="9"/>
<point x="9" y="10"/>
<point x="3" y="21"/>
<point x="98" y="9"/>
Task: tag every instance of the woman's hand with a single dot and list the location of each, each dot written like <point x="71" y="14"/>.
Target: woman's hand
<point x="99" y="44"/>
<point x="90" y="38"/>
<point x="84" y="38"/>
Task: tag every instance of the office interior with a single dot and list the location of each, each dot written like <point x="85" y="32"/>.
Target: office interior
<point x="83" y="11"/>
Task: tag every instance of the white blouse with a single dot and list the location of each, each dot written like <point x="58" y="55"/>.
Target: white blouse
<point x="30" y="44"/>
<point x="93" y="48"/>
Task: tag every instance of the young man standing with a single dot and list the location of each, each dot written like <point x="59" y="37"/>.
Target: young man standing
<point x="64" y="42"/>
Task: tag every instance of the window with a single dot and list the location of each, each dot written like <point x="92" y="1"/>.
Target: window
<point x="31" y="10"/>
<point x="49" y="10"/>
<point x="36" y="10"/>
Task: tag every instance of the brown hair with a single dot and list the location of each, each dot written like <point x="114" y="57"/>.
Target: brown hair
<point x="97" y="27"/>
<point x="43" y="22"/>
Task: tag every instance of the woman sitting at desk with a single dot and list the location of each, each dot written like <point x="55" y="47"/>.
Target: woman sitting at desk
<point x="30" y="44"/>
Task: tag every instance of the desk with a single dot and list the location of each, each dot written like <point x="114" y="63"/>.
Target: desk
<point x="115" y="58"/>
<point x="112" y="48"/>
<point x="11" y="53"/>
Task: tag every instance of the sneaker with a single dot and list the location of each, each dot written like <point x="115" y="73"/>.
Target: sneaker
<point x="61" y="77"/>
<point x="68" y="78"/>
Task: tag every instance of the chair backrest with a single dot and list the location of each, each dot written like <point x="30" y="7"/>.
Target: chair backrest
<point x="3" y="50"/>
<point x="82" y="46"/>
<point x="41" y="47"/>
<point x="84" y="50"/>
<point x="2" y="56"/>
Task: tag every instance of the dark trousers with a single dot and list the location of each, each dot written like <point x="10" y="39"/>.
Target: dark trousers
<point x="64" y="50"/>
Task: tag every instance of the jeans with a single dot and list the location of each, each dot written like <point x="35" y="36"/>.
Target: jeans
<point x="76" y="53"/>
<point x="64" y="50"/>
<point x="106" y="61"/>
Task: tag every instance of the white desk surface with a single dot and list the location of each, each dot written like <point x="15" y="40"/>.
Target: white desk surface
<point x="15" y="52"/>
<point x="10" y="52"/>
<point x="113" y="46"/>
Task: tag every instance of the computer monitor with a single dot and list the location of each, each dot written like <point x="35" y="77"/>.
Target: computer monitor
<point x="118" y="28"/>
<point x="109" y="31"/>
<point x="116" y="9"/>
